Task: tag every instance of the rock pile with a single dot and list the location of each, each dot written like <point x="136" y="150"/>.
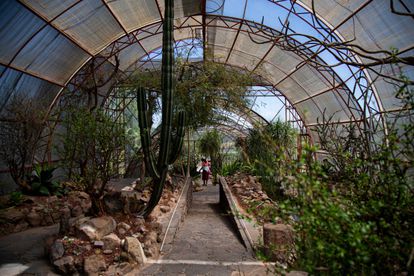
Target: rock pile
<point x="247" y="187"/>
<point x="102" y="246"/>
<point x="43" y="211"/>
<point x="112" y="245"/>
<point x="250" y="196"/>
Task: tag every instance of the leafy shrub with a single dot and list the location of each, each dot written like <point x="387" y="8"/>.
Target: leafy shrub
<point x="92" y="147"/>
<point x="232" y="168"/>
<point x="363" y="227"/>
<point x="268" y="151"/>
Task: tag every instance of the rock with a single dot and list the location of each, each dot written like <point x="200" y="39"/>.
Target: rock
<point x="151" y="236"/>
<point x="21" y="226"/>
<point x="121" y="269"/>
<point x="57" y="250"/>
<point x="165" y="209"/>
<point x="113" y="203"/>
<point x="98" y="244"/>
<point x="81" y="199"/>
<point x="139" y="221"/>
<point x="111" y="241"/>
<point x="65" y="265"/>
<point x="52" y="199"/>
<point x="151" y="251"/>
<point x="107" y="252"/>
<point x="94" y="264"/>
<point x="132" y="201"/>
<point x="123" y="228"/>
<point x="76" y="211"/>
<point x="134" y="249"/>
<point x="96" y="228"/>
<point x="11" y="214"/>
<point x="156" y="227"/>
<point x="125" y="268"/>
<point x="279" y="241"/>
<point x="34" y="218"/>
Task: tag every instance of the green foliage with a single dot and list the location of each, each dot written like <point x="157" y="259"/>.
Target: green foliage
<point x="42" y="183"/>
<point x="200" y="89"/>
<point x="232" y="168"/>
<point x="203" y="87"/>
<point x="363" y="227"/>
<point x="16" y="198"/>
<point x="209" y="145"/>
<point x="268" y="151"/>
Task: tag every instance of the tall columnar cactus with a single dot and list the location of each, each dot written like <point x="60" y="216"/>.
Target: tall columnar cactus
<point x="167" y="154"/>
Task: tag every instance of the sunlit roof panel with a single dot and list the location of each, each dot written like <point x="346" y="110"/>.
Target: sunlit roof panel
<point x="49" y="9"/>
<point x="333" y="12"/>
<point x="183" y="7"/>
<point x="129" y="55"/>
<point x="284" y="60"/>
<point x="220" y="37"/>
<point x="246" y="45"/>
<point x="375" y="27"/>
<point x="243" y="60"/>
<point x="134" y="13"/>
<point x="91" y="24"/>
<point x="312" y="80"/>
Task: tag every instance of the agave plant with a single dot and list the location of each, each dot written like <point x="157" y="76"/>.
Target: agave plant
<point x="41" y="181"/>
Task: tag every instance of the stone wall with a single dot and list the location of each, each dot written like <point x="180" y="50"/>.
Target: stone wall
<point x="42" y="211"/>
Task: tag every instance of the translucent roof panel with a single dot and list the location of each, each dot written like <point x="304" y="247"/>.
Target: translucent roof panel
<point x="246" y="45"/>
<point x="91" y="24"/>
<point x="17" y="26"/>
<point x="45" y="42"/>
<point x="284" y="60"/>
<point x="14" y="83"/>
<point x="52" y="55"/>
<point x="135" y="13"/>
<point x="220" y="37"/>
<point x="49" y="9"/>
<point x="183" y="8"/>
<point x="129" y="55"/>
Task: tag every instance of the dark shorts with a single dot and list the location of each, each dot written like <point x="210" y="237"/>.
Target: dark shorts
<point x="205" y="175"/>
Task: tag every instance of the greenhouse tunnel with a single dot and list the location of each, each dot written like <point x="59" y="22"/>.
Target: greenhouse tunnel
<point x="310" y="100"/>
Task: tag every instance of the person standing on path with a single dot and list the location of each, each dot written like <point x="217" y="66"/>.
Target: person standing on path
<point x="205" y="171"/>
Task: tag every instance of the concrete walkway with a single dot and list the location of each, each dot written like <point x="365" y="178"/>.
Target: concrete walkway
<point x="23" y="253"/>
<point x="206" y="244"/>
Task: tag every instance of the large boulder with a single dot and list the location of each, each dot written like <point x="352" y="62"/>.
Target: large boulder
<point x="11" y="214"/>
<point x="79" y="202"/>
<point x="123" y="228"/>
<point x="96" y="228"/>
<point x="57" y="250"/>
<point x="65" y="265"/>
<point x="94" y="264"/>
<point x="111" y="242"/>
<point x="133" y="248"/>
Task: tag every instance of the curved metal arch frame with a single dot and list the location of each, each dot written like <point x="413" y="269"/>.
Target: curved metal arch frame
<point x="254" y="28"/>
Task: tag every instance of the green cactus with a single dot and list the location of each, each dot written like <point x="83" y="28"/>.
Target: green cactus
<point x="167" y="153"/>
